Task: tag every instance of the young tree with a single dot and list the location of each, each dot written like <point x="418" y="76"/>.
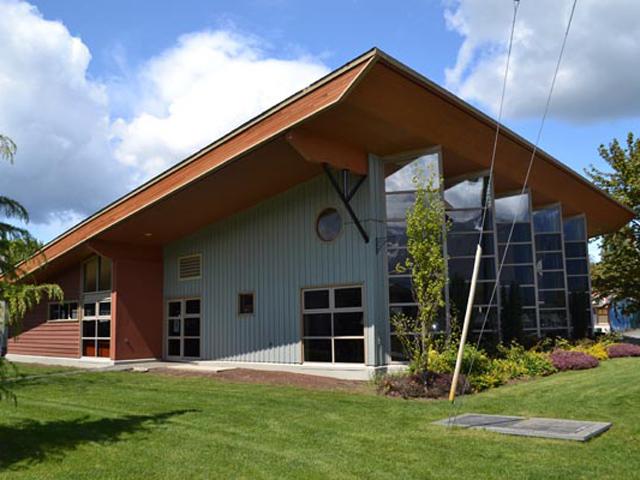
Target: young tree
<point x="18" y="291"/>
<point x="426" y="263"/>
<point x="617" y="274"/>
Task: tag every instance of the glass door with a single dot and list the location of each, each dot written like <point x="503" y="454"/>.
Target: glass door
<point x="183" y="329"/>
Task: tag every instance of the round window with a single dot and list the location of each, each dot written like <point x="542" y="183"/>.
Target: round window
<point x="329" y="224"/>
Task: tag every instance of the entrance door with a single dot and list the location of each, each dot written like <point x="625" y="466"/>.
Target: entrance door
<point x="183" y="329"/>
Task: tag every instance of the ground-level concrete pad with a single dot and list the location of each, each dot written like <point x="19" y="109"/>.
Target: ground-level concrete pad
<point x="529" y="427"/>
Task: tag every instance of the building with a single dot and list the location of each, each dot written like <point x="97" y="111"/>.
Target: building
<point x="276" y="243"/>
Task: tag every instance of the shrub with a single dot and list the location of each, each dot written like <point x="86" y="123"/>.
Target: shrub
<point x="618" y="350"/>
<point x="571" y="360"/>
<point x="597" y="350"/>
<point x="484" y="381"/>
<point x="425" y="385"/>
<point x="519" y="362"/>
<point x="609" y="338"/>
<point x="445" y="360"/>
<point x="516" y="362"/>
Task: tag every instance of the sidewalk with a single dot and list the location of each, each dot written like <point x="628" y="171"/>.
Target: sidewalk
<point x="632" y="336"/>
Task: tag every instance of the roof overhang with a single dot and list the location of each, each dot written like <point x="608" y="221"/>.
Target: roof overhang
<point x="373" y="105"/>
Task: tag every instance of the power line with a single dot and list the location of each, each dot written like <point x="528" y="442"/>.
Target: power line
<point x="526" y="178"/>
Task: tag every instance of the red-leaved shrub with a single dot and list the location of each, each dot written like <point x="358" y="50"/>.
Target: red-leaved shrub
<point x="426" y="385"/>
<point x="618" y="350"/>
<point x="572" y="360"/>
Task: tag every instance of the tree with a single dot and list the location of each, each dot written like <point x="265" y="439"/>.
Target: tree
<point x="7" y="148"/>
<point x="426" y="263"/>
<point x="617" y="274"/>
<point x="18" y="290"/>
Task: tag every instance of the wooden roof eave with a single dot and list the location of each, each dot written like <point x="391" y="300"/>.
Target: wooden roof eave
<point x="346" y="77"/>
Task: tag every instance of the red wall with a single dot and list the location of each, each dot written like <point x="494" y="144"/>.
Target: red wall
<point x="54" y="339"/>
<point x="137" y="298"/>
<point x="136" y="309"/>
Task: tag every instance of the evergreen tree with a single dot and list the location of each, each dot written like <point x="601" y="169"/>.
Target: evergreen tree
<point x="18" y="291"/>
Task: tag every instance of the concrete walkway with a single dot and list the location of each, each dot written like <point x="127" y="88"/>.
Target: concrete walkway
<point x="632" y="336"/>
<point x="342" y="372"/>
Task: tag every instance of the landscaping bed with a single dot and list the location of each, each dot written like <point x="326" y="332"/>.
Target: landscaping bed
<point x="482" y="371"/>
<point x="267" y="377"/>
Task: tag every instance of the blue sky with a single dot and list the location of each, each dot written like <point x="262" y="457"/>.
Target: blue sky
<point x="109" y="70"/>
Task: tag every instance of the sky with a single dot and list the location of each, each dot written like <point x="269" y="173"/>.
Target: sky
<point x="100" y="96"/>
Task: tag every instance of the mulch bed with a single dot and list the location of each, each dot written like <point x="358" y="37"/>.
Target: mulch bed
<point x="266" y="377"/>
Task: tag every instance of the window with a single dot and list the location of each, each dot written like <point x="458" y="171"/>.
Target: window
<point x="517" y="278"/>
<point x="329" y="225"/>
<point x="548" y="242"/>
<point x="549" y="261"/>
<point x="183" y="328"/>
<point x="551" y="280"/>
<point x="63" y="311"/>
<point x="575" y="229"/>
<point x="514" y="208"/>
<point x="333" y="325"/>
<point x="521" y="232"/>
<point x="464" y="244"/>
<point x="467" y="220"/>
<point x="576" y="249"/>
<point x="401" y="180"/>
<point x="516" y="253"/>
<point x="553" y="319"/>
<point x="552" y="299"/>
<point x="400" y="196"/>
<point x="577" y="268"/>
<point x="96" y="328"/>
<point x="245" y="303"/>
<point x="398" y="204"/>
<point x="97" y="275"/>
<point x="190" y="267"/>
<point x="547" y="220"/>
<point x="467" y="193"/>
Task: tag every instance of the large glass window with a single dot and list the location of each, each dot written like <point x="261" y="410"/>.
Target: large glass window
<point x="464" y="202"/>
<point x="552" y="287"/>
<point x="333" y="325"/>
<point x="96" y="275"/>
<point x="400" y="195"/>
<point x="96" y="328"/>
<point x="577" y="266"/>
<point x="517" y="278"/>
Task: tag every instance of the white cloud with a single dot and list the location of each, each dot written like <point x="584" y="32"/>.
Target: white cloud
<point x="599" y="78"/>
<point x="209" y="83"/>
<point x="74" y="156"/>
<point x="56" y="115"/>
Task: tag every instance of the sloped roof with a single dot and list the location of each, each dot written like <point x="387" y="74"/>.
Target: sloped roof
<point x="373" y="103"/>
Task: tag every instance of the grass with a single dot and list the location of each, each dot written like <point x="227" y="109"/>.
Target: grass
<point x="130" y="425"/>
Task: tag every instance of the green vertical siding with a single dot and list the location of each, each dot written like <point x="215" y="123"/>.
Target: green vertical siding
<point x="272" y="250"/>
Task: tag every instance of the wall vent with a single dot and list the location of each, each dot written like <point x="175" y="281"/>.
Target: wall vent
<point x="190" y="267"/>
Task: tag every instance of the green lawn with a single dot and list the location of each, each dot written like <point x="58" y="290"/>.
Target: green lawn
<point x="132" y="425"/>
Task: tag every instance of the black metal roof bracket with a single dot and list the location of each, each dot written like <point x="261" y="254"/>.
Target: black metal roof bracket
<point x="346" y="194"/>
